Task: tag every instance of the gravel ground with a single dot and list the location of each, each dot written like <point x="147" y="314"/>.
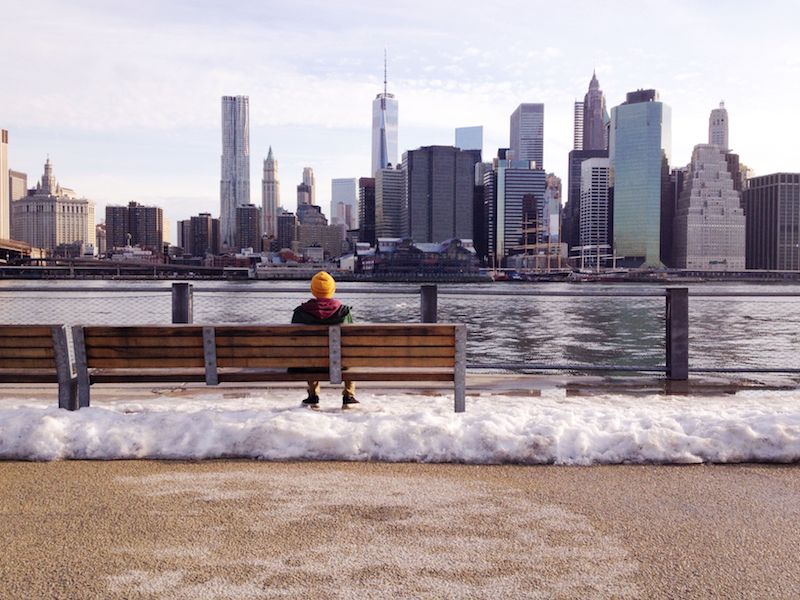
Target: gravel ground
<point x="242" y="529"/>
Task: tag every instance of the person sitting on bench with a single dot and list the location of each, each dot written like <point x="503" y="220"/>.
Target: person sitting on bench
<point x="324" y="309"/>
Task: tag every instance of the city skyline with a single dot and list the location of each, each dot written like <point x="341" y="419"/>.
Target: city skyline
<point x="141" y="121"/>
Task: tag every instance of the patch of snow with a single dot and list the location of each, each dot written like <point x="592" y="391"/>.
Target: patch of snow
<point x="753" y="426"/>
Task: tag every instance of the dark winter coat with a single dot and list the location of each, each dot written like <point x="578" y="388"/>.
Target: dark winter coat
<point x="322" y="311"/>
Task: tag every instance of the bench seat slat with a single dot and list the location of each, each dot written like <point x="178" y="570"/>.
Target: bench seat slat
<point x="399" y="329"/>
<point x="407" y="375"/>
<point x="148" y="376"/>
<point x="397" y="362"/>
<point x="251" y="375"/>
<point x="409" y="340"/>
<point x="271" y="362"/>
<point x="266" y="342"/>
<point x="28" y="376"/>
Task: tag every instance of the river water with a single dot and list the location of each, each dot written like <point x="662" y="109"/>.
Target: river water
<point x="725" y="331"/>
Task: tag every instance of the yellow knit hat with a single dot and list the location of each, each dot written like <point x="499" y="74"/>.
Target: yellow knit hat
<point x="323" y="285"/>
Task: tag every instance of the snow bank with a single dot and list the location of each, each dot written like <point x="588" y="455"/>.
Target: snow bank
<point x="751" y="426"/>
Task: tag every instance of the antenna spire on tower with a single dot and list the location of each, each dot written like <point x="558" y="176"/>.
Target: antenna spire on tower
<point x="385" y="69"/>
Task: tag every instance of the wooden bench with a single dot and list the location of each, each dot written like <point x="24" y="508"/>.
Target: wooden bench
<point x="263" y="353"/>
<point x="38" y="354"/>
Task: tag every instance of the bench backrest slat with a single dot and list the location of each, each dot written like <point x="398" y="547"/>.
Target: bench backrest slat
<point x="27" y="347"/>
<point x="404" y="345"/>
<point x="272" y="346"/>
<point x="148" y="347"/>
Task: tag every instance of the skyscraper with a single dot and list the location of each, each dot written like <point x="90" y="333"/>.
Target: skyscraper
<point x="235" y="180"/>
<point x="384" y="128"/>
<point x="594" y="207"/>
<point x="527" y="133"/>
<point x="577" y="126"/>
<point x="718" y="127"/>
<point x="709" y="222"/>
<point x="391" y="214"/>
<point x="270" y="195"/>
<point x="595" y="117"/>
<point x="570" y="231"/>
<point x="344" y="202"/>
<point x="639" y="150"/>
<point x="438" y="189"/>
<point x="505" y="189"/>
<point x="772" y="206"/>
<point x="469" y="138"/>
<point x="366" y="210"/>
<point x="5" y="203"/>
<point x="248" y="227"/>
<point x="311" y="183"/>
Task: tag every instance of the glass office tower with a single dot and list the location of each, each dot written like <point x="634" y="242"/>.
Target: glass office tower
<point x="639" y="149"/>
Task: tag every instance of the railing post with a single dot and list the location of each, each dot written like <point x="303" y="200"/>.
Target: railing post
<point x="428" y="303"/>
<point x="677" y="333"/>
<point x="181" y="302"/>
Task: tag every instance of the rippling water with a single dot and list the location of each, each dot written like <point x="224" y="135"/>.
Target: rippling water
<point x="724" y="331"/>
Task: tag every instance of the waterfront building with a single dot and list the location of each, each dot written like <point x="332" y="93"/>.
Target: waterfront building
<point x="366" y="210"/>
<point x="270" y="195"/>
<point x="5" y="198"/>
<point x="639" y="150"/>
<point x="595" y="118"/>
<point x="235" y="179"/>
<point x="344" y="202"/>
<point x="391" y="212"/>
<point x="384" y="128"/>
<point x="331" y="238"/>
<point x="248" y="227"/>
<point x="310" y="182"/>
<point x="439" y="192"/>
<point x="772" y="206"/>
<point x="469" y="138"/>
<point x="505" y="188"/>
<point x="135" y="225"/>
<point x="577" y="126"/>
<point x="527" y="133"/>
<point x="17" y="185"/>
<point x="570" y="230"/>
<point x="718" y="127"/>
<point x="199" y="235"/>
<point x="51" y="215"/>
<point x="709" y="232"/>
<point x="594" y="242"/>
<point x="402" y="258"/>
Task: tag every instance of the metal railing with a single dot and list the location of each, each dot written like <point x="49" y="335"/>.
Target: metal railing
<point x="433" y="298"/>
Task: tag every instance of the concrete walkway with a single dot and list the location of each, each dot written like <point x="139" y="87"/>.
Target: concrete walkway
<point x="241" y="529"/>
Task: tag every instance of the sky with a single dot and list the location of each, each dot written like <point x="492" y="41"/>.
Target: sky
<point x="124" y="95"/>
